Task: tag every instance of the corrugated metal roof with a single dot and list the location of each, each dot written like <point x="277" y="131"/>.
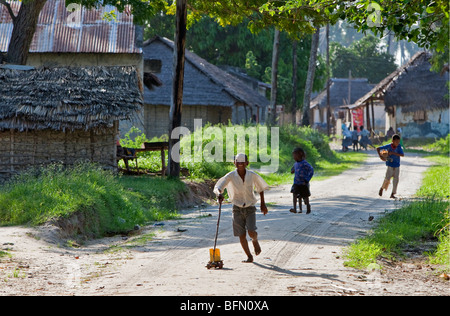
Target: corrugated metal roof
<point x="82" y="31"/>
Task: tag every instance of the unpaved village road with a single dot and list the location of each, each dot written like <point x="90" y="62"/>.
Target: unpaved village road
<point x="301" y="254"/>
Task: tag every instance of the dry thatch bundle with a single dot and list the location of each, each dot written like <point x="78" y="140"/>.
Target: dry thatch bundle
<point x="413" y="87"/>
<point x="417" y="88"/>
<point x="67" y="98"/>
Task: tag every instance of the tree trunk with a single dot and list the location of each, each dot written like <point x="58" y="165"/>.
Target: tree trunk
<point x="23" y="31"/>
<point x="328" y="82"/>
<point x="310" y="77"/>
<point x="274" y="81"/>
<point x="177" y="90"/>
<point x="294" y="81"/>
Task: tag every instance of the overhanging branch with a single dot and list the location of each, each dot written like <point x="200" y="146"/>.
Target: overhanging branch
<point x="8" y="7"/>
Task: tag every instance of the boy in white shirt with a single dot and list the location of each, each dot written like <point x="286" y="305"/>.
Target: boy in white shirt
<point x="239" y="184"/>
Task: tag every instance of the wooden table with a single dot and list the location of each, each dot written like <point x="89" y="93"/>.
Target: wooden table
<point x="156" y="146"/>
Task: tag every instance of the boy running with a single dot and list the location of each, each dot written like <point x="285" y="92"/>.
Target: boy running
<point x="240" y="184"/>
<point x="395" y="151"/>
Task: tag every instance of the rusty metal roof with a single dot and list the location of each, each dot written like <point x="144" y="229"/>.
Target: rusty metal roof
<point x="60" y="30"/>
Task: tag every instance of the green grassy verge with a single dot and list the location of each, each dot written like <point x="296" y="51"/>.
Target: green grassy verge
<point x="325" y="161"/>
<point x="107" y="202"/>
<point x="417" y="221"/>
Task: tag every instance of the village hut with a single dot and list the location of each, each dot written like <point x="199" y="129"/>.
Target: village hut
<point x="418" y="100"/>
<point x="342" y="91"/>
<point x="63" y="115"/>
<point x="76" y="36"/>
<point x="209" y="93"/>
<point x="414" y="98"/>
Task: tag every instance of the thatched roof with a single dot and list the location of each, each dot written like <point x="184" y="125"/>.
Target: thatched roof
<point x="67" y="98"/>
<point x="339" y="92"/>
<point x="204" y="83"/>
<point x="417" y="87"/>
<point x="412" y="87"/>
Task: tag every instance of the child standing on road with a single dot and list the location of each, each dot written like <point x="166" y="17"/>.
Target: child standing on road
<point x="240" y="184"/>
<point x="355" y="136"/>
<point x="393" y="152"/>
<point x="303" y="173"/>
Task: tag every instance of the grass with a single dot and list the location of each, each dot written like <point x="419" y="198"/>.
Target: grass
<point x="323" y="168"/>
<point x="4" y="254"/>
<point x="108" y="203"/>
<point x="417" y="221"/>
<point x="325" y="161"/>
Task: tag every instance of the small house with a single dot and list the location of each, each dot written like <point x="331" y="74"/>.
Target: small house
<point x="417" y="100"/>
<point x="74" y="36"/>
<point x="210" y="93"/>
<point x="414" y="98"/>
<point x="63" y="115"/>
<point x="343" y="91"/>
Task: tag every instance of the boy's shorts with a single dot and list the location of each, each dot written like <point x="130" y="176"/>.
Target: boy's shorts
<point x="301" y="190"/>
<point x="244" y="218"/>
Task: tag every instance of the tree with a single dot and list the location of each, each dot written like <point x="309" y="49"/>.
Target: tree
<point x="364" y="58"/>
<point x="252" y="68"/>
<point x="24" y="26"/>
<point x="24" y="23"/>
<point x="177" y="86"/>
<point x="425" y="22"/>
<point x="274" y="78"/>
<point x="310" y="78"/>
<point x="237" y="46"/>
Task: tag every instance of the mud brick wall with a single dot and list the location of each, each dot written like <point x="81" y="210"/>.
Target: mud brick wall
<point x="21" y="150"/>
<point x="157" y="117"/>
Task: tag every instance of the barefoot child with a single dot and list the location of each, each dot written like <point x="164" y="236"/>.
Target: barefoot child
<point x="303" y="173"/>
<point x="394" y="152"/>
<point x="240" y="184"/>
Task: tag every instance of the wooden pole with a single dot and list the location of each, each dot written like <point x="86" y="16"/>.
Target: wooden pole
<point x="328" y="81"/>
<point x="294" y="81"/>
<point x="373" y="116"/>
<point x="177" y="89"/>
<point x="310" y="78"/>
<point x="274" y="80"/>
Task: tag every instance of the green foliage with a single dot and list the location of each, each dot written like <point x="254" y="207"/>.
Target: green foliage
<point x="290" y="16"/>
<point x="141" y="10"/>
<point x="415" y="221"/>
<point x="423" y="22"/>
<point x="437" y="179"/>
<point x="442" y="254"/>
<point x="412" y="223"/>
<point x="251" y="65"/>
<point x="107" y="203"/>
<point x="441" y="146"/>
<point x="237" y="46"/>
<point x="316" y="145"/>
<point x="364" y="58"/>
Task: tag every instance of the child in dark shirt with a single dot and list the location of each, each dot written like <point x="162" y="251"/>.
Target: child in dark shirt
<point x="303" y="173"/>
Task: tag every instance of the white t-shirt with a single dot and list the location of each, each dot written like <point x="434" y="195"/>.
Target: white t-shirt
<point x="241" y="192"/>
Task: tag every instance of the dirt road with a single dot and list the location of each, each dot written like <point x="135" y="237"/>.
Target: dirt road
<point x="301" y="254"/>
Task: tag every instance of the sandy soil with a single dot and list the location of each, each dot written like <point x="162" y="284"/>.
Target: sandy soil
<point x="301" y="254"/>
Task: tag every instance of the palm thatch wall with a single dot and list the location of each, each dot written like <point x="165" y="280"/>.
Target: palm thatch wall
<point x="63" y="115"/>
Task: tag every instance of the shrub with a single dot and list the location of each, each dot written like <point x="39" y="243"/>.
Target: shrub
<point x="85" y="190"/>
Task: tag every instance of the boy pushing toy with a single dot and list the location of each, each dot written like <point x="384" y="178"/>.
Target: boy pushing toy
<point x="391" y="153"/>
<point x="240" y="184"/>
